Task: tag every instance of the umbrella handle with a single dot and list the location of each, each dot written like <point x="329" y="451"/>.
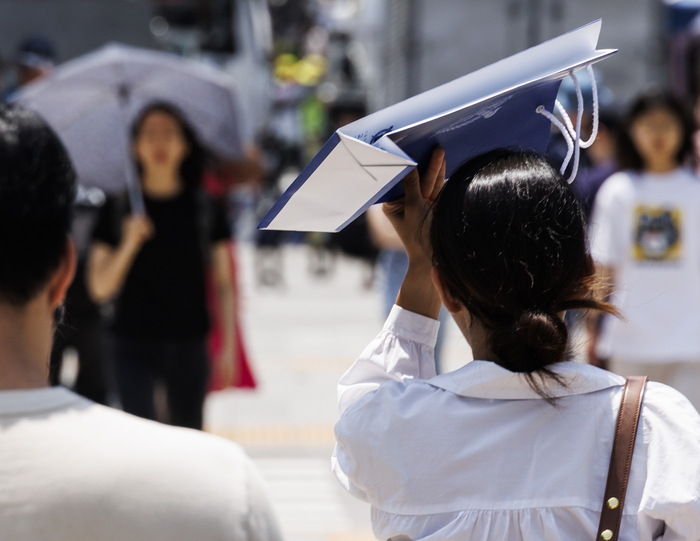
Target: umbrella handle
<point x="134" y="189"/>
<point x="132" y="184"/>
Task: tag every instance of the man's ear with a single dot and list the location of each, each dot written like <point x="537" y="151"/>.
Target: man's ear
<point x="63" y="275"/>
<point x="452" y="304"/>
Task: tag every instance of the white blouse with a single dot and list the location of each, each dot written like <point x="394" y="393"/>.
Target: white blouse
<point x="477" y="454"/>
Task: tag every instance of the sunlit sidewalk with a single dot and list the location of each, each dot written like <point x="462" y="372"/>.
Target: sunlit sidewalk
<point x="301" y="337"/>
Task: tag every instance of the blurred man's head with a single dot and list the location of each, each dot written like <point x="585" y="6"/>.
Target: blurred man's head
<point x="35" y="58"/>
<point x="348" y="108"/>
<point x="37" y="188"/>
<point x="603" y="148"/>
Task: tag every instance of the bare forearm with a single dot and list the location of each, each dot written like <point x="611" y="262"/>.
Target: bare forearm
<point x="108" y="269"/>
<point x="221" y="258"/>
<point x="410" y="216"/>
<point x="227" y="301"/>
<point x="417" y="293"/>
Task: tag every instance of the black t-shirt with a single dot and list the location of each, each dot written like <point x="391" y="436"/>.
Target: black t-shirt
<point x="163" y="296"/>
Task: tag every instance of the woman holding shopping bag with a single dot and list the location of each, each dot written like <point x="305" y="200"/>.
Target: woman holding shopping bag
<point x="517" y="443"/>
<point x="155" y="266"/>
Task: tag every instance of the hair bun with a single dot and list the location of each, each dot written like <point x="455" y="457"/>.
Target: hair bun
<point x="536" y="340"/>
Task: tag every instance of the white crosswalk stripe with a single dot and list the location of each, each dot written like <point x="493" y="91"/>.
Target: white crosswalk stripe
<point x="304" y="495"/>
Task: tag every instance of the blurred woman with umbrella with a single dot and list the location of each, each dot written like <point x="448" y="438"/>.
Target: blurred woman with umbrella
<point x="152" y="262"/>
<point x="155" y="263"/>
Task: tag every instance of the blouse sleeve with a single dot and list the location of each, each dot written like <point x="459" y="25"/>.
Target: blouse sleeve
<point x="671" y="428"/>
<point x="403" y="350"/>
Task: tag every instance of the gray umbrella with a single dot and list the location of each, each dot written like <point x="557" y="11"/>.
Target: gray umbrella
<point x="91" y="102"/>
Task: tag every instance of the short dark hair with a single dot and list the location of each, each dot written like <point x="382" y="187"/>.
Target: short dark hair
<point x="37" y="190"/>
<point x="192" y="167"/>
<point x="35" y="49"/>
<point x="509" y="241"/>
<point x="610" y="118"/>
<point x="627" y="155"/>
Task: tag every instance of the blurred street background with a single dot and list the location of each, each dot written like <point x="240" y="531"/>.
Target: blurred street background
<point x="309" y="303"/>
<point x="286" y="425"/>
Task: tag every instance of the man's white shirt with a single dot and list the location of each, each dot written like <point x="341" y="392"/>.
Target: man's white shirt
<point x="71" y="469"/>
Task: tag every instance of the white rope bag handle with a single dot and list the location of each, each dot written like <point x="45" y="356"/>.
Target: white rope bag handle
<point x="572" y="135"/>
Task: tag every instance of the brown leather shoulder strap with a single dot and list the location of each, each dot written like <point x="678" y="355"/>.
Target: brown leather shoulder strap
<point x="621" y="458"/>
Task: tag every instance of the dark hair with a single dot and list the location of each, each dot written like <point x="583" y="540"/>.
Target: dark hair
<point x="37" y="190"/>
<point x="509" y="241"/>
<point x="627" y="155"/>
<point x="192" y="167"/>
<point x="610" y="118"/>
<point x="35" y="48"/>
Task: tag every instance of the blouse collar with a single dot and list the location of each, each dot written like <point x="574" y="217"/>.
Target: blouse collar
<point x="484" y="379"/>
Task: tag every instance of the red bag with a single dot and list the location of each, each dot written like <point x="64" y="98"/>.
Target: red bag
<point x="215" y="339"/>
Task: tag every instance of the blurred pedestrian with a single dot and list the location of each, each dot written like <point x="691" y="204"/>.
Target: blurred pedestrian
<point x="515" y="444"/>
<point x="83" y="328"/>
<point x="602" y="164"/>
<point x="155" y="265"/>
<point x="646" y="241"/>
<point x="72" y="469"/>
<point x="82" y="332"/>
<point x="355" y="239"/>
<point x="34" y="59"/>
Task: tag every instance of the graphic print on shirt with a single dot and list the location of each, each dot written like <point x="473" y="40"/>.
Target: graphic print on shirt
<point x="657" y="234"/>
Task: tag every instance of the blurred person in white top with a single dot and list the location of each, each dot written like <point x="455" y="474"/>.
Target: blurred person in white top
<point x="645" y="238"/>
<point x="516" y="444"/>
<point x="71" y="469"/>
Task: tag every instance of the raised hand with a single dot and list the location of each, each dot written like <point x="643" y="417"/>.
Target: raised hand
<point x="410" y="215"/>
<point x="136" y="230"/>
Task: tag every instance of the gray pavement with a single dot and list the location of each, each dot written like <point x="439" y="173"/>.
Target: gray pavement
<point x="301" y="338"/>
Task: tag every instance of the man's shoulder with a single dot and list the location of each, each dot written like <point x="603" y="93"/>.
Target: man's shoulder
<point x="154" y="435"/>
<point x="112" y="448"/>
<point x="137" y="479"/>
<point x="79" y="427"/>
